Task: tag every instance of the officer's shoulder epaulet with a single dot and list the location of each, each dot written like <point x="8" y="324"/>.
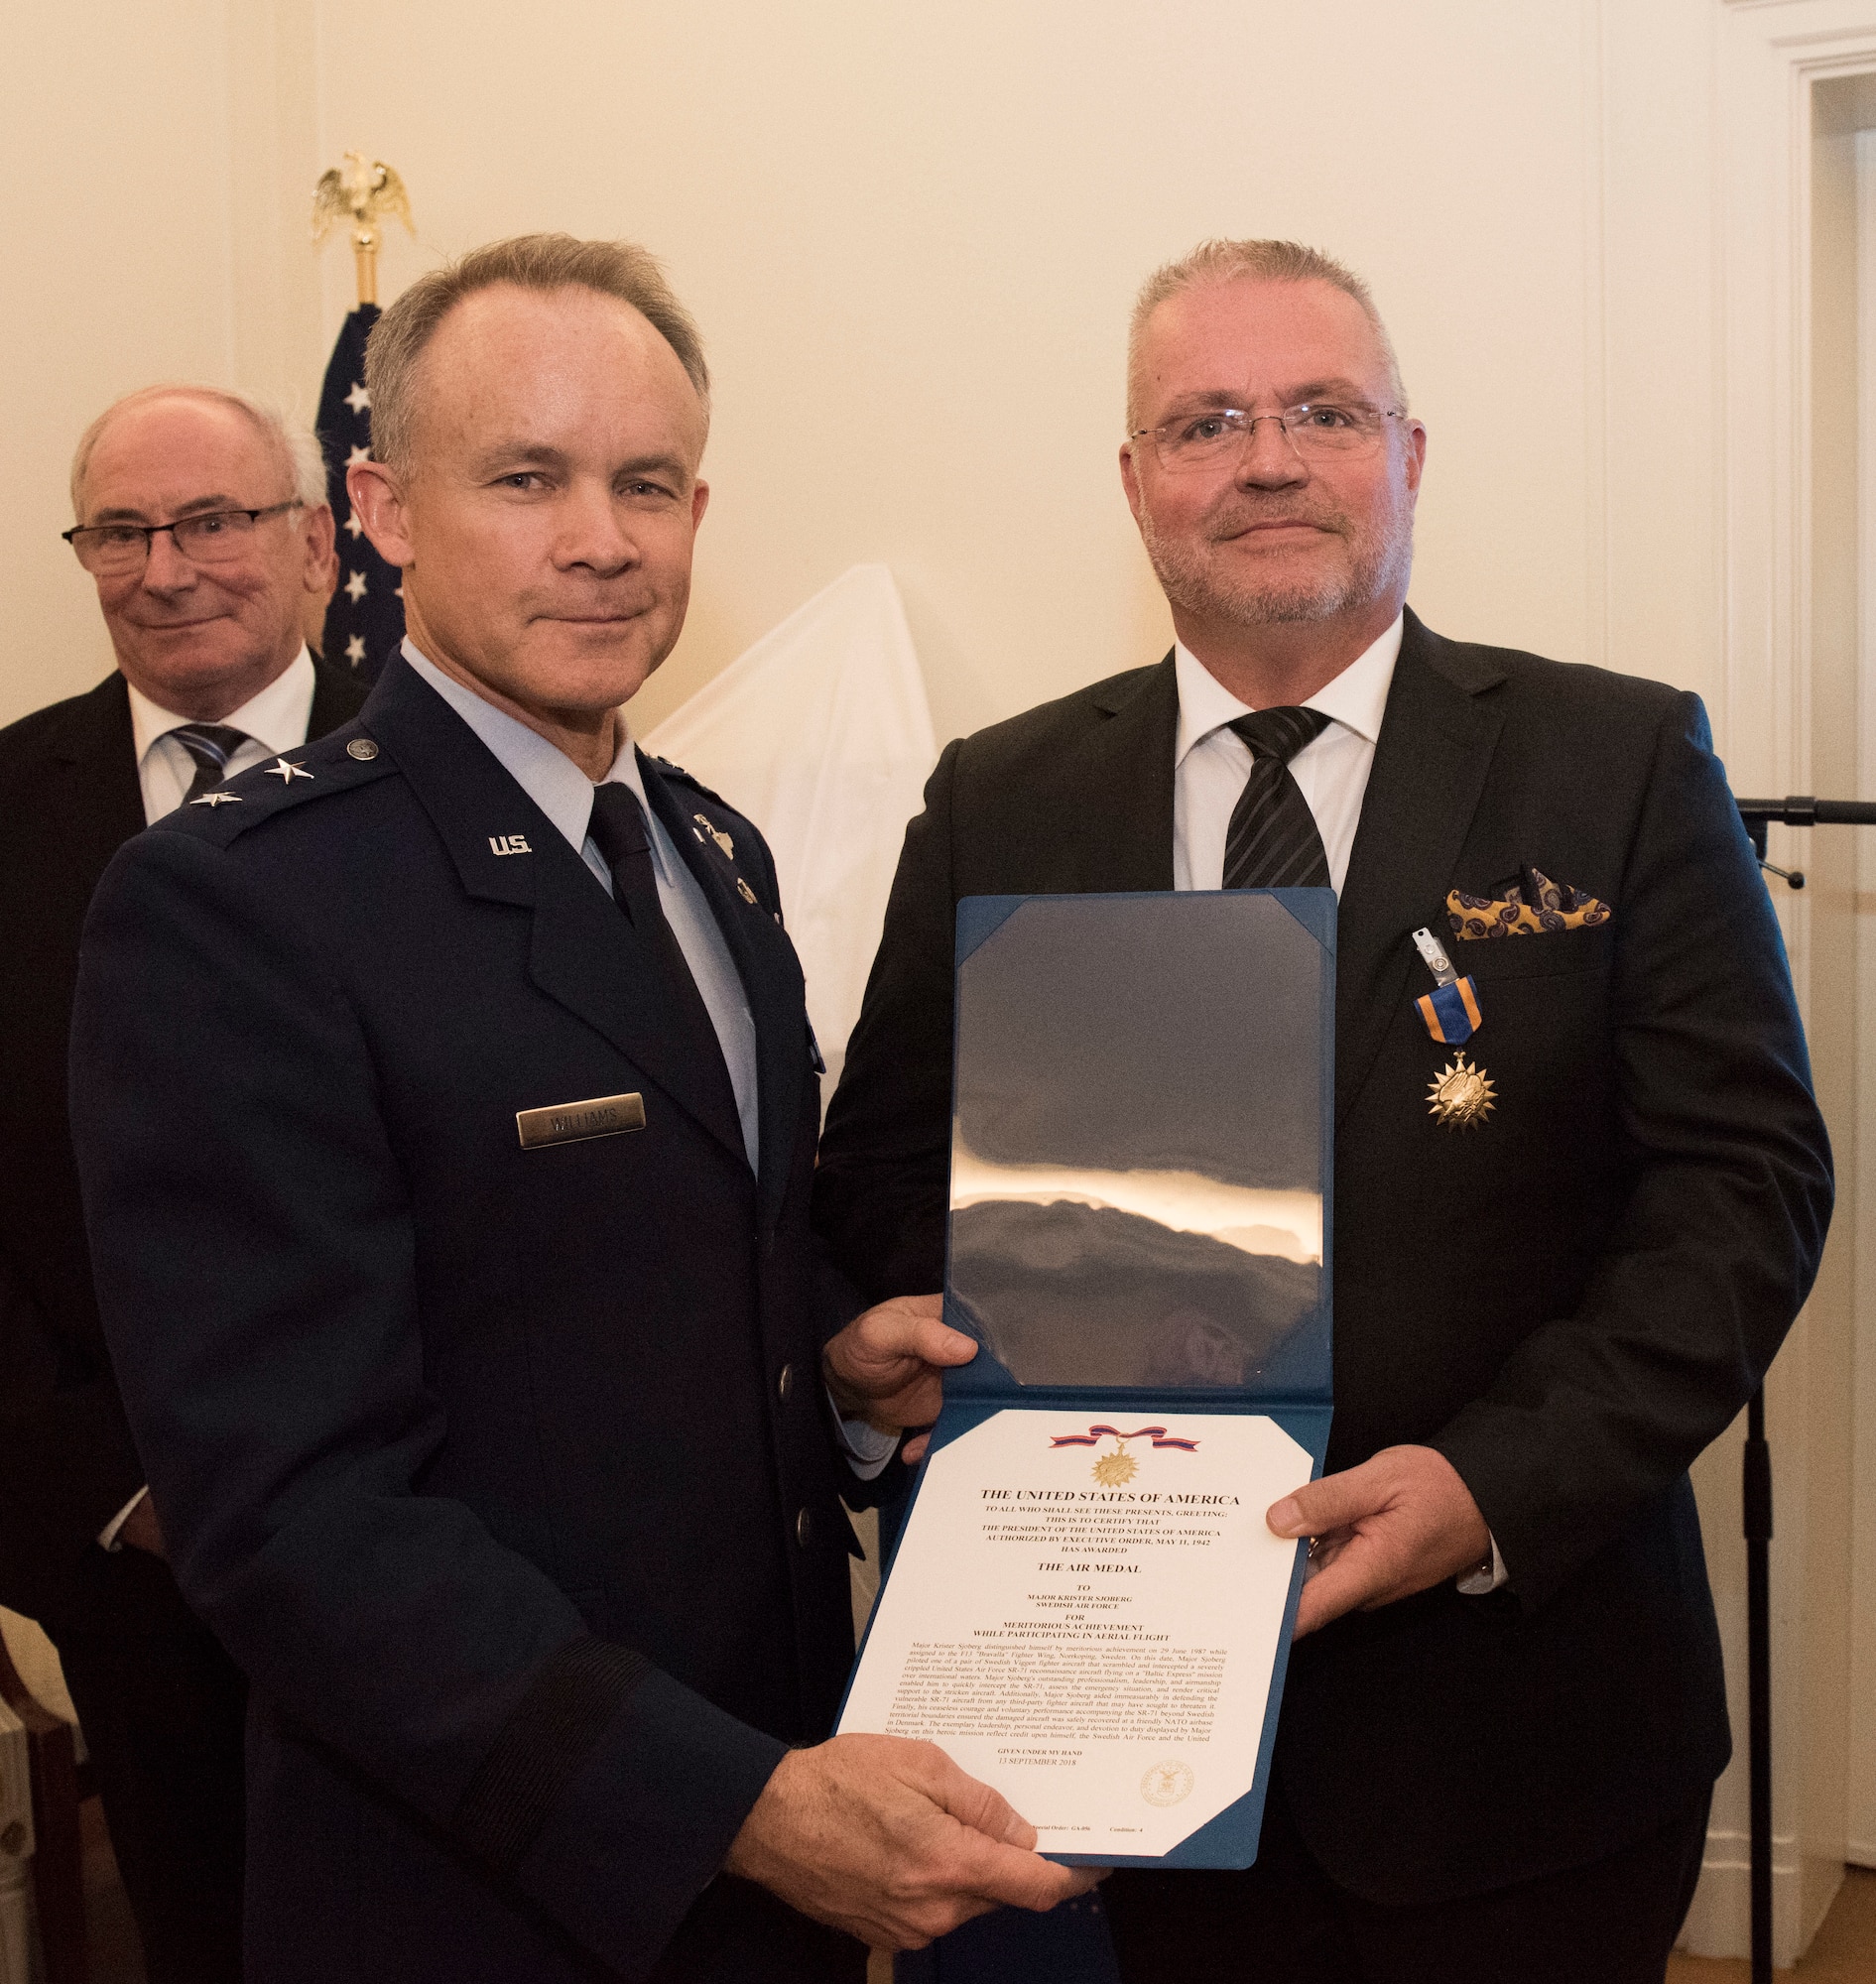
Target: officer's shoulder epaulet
<point x="340" y="762"/>
<point x="689" y="778"/>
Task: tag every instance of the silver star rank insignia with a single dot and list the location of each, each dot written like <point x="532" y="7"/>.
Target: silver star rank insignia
<point x="217" y="799"/>
<point x="285" y="772"/>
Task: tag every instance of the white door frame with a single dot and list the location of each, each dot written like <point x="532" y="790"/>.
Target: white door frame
<point x="1770" y="54"/>
<point x="1860" y="1845"/>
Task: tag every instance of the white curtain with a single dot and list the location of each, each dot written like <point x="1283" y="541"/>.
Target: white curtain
<point x="821" y="734"/>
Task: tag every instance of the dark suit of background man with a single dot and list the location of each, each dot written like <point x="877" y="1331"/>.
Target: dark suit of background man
<point x="503" y="1465"/>
<point x="1501" y="1730"/>
<point x="205" y="620"/>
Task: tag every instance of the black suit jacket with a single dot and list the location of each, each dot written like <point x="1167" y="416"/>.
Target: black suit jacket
<point x="71" y="797"/>
<point x="504" y="1473"/>
<point x="1570" y="1302"/>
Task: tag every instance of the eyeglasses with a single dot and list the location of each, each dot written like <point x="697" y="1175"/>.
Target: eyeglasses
<point x="1210" y="437"/>
<point x="216" y="537"/>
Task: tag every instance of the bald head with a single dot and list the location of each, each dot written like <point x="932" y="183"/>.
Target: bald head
<point x="1253" y="261"/>
<point x="293" y="446"/>
<point x="200" y="637"/>
<point x="539" y="264"/>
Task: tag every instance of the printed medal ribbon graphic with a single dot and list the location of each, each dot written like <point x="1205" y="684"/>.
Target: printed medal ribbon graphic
<point x="1115" y="1469"/>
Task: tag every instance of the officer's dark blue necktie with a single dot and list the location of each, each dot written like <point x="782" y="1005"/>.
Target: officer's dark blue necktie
<point x="1273" y="841"/>
<point x="618" y="831"/>
<point x="211" y="745"/>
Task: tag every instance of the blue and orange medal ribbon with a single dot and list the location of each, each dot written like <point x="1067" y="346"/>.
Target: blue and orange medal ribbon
<point x="1451" y="1012"/>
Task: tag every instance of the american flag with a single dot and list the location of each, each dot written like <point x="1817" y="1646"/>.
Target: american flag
<point x="365" y="621"/>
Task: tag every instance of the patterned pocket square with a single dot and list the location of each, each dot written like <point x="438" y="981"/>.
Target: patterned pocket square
<point x="1528" y="909"/>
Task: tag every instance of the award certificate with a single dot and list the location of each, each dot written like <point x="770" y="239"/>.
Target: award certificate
<point x="1086" y="1611"/>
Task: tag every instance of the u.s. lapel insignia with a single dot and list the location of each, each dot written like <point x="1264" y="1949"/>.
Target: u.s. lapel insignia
<point x="217" y="799"/>
<point x="1460" y="1098"/>
<point x="717" y="835"/>
<point x="285" y="772"/>
<point x="745" y="891"/>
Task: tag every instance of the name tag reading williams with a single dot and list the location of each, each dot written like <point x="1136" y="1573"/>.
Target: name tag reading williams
<point x="570" y="1122"/>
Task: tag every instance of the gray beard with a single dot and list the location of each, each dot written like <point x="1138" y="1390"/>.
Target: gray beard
<point x="1192" y="584"/>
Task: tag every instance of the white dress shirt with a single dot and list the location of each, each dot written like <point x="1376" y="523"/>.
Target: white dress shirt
<point x="275" y="722"/>
<point x="1212" y="763"/>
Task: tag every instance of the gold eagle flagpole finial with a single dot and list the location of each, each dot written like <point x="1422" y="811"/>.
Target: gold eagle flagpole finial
<point x="360" y="195"/>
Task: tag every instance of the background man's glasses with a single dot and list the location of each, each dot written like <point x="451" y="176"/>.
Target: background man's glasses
<point x="1213" y="437"/>
<point x="216" y="537"/>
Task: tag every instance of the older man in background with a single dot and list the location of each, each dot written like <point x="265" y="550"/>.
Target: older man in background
<point x="202" y="516"/>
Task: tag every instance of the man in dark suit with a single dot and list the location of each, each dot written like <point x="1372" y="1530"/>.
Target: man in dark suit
<point x="202" y="519"/>
<point x="1564" y="1249"/>
<point x="446" y="1107"/>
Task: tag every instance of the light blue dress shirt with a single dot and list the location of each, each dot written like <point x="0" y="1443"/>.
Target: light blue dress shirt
<point x="566" y="794"/>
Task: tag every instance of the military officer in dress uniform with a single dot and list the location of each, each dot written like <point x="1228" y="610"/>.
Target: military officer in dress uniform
<point x="446" y="1107"/>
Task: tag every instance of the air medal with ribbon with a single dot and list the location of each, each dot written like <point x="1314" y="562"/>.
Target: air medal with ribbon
<point x="1461" y="1096"/>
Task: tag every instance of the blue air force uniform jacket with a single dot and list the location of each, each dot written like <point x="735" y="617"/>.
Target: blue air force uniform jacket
<point x="504" y="1472"/>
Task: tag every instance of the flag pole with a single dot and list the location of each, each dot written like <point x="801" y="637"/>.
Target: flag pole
<point x="365" y="260"/>
<point x="364" y="615"/>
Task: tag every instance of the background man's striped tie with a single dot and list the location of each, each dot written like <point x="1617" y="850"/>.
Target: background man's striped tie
<point x="211" y="745"/>
<point x="1272" y="841"/>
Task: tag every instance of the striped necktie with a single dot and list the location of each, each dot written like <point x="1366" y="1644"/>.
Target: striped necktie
<point x="1272" y="841"/>
<point x="211" y="745"/>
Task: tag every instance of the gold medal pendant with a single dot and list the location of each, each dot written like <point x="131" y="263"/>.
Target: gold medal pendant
<point x="1116" y="1469"/>
<point x="1461" y="1096"/>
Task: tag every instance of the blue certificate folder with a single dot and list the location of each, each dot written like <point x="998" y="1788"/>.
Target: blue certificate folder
<point x="1141" y="1172"/>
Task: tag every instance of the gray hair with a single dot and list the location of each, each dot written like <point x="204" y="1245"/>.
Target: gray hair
<point x="539" y="262"/>
<point x="1259" y="262"/>
<point x="295" y="445"/>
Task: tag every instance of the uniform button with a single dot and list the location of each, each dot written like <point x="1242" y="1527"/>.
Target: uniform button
<point x="362" y="748"/>
<point x="785" y="1384"/>
<point x="805" y="1528"/>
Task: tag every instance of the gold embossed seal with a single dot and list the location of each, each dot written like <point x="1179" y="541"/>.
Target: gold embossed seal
<point x="1167" y="1783"/>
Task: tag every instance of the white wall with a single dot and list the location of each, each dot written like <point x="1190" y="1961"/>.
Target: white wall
<point x="116" y="245"/>
<point x="911" y="235"/>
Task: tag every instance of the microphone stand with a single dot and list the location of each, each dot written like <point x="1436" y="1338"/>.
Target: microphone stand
<point x="1758" y="814"/>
